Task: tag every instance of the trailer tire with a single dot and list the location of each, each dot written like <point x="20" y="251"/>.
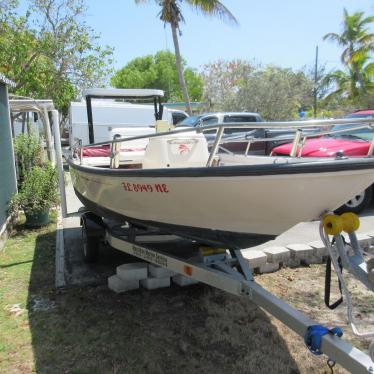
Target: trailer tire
<point x="90" y="245"/>
<point x="358" y="203"/>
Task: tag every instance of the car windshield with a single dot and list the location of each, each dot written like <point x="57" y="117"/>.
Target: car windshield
<point x="352" y="133"/>
<point x="364" y="134"/>
<point x="359" y="115"/>
<point x="189" y="121"/>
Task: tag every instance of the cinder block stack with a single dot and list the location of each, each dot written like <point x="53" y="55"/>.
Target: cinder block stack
<point x="133" y="275"/>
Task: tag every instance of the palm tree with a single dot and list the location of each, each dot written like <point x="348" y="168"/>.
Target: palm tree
<point x="355" y="37"/>
<point x="171" y="13"/>
<point x="358" y="43"/>
<point x="360" y="93"/>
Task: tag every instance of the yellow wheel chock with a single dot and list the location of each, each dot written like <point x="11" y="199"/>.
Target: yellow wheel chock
<point x="351" y="222"/>
<point x="332" y="224"/>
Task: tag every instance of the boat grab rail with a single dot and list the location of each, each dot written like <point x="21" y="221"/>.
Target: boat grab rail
<point x="299" y="138"/>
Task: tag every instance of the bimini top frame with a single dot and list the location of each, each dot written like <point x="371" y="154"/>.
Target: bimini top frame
<point x="121" y="93"/>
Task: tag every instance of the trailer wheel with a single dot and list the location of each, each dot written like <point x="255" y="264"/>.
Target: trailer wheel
<point x="358" y="202"/>
<point x="90" y="245"/>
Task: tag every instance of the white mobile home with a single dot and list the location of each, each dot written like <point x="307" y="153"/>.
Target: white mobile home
<point x="109" y="115"/>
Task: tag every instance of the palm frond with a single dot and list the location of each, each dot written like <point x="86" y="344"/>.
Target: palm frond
<point x="334" y="37"/>
<point x="213" y="8"/>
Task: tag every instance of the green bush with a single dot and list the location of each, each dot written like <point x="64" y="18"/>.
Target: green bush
<point x="39" y="190"/>
<point x="28" y="152"/>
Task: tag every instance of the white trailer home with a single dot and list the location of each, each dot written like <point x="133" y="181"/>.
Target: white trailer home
<point x="109" y="115"/>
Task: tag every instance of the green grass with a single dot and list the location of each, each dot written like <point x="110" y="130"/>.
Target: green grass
<point x="93" y="330"/>
<point x="175" y="330"/>
<point x="17" y="261"/>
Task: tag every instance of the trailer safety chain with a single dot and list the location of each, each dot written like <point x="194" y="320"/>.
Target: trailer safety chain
<point x="314" y="334"/>
<point x="328" y="282"/>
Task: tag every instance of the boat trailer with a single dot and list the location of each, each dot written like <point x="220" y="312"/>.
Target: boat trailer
<point x="227" y="270"/>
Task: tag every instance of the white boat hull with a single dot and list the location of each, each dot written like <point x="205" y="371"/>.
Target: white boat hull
<point x="258" y="205"/>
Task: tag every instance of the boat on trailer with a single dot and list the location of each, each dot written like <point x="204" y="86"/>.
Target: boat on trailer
<point x="176" y="186"/>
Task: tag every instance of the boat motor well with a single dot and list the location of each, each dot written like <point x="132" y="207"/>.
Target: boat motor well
<point x="176" y="151"/>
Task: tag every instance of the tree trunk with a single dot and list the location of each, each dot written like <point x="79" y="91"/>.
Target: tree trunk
<point x="178" y="59"/>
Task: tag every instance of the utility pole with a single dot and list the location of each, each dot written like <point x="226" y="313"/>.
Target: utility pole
<point x="315" y="84"/>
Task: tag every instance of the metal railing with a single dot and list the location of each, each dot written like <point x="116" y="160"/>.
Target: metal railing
<point x="298" y="140"/>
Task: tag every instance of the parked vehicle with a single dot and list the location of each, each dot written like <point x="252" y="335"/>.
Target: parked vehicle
<point x="109" y="115"/>
<point x="236" y="139"/>
<point x="355" y="142"/>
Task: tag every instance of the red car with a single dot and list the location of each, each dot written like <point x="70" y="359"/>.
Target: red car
<point x="350" y="143"/>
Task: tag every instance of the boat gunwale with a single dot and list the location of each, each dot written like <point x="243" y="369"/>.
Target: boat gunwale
<point x="307" y="167"/>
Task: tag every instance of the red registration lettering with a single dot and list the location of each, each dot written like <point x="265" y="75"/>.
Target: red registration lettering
<point x="139" y="187"/>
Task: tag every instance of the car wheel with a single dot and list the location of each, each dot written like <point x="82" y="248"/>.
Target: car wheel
<point x="358" y="203"/>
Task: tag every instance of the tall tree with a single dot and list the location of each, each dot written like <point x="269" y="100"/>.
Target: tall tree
<point x="358" y="44"/>
<point x="276" y="93"/>
<point x="222" y="81"/>
<point x="158" y="71"/>
<point x="346" y="87"/>
<point x="51" y="52"/>
<point x="171" y="13"/>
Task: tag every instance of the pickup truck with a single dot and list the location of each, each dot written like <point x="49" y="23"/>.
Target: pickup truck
<point x="355" y="142"/>
<point x="242" y="134"/>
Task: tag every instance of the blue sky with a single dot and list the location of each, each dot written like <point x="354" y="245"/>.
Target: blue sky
<point x="280" y="32"/>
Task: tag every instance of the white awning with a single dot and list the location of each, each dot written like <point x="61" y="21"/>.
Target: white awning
<point x="122" y="92"/>
<point x="30" y="105"/>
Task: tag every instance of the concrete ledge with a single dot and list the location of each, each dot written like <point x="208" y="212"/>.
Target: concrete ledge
<point x="365" y="241"/>
<point x="255" y="258"/>
<point x="133" y="271"/>
<point x="60" y="280"/>
<point x="301" y="251"/>
<point x="269" y="268"/>
<point x="320" y="249"/>
<point x="293" y="263"/>
<point x="118" y="285"/>
<point x="277" y="254"/>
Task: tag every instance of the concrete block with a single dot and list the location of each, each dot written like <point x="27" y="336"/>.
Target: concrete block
<point x="371" y="250"/>
<point x="255" y="258"/>
<point x="319" y="247"/>
<point x="154" y="283"/>
<point x="292" y="263"/>
<point x="314" y="260"/>
<point x="371" y="234"/>
<point x="133" y="271"/>
<point x="365" y="241"/>
<point x="183" y="281"/>
<point x="159" y="272"/>
<point x="118" y="285"/>
<point x="301" y="251"/>
<point x="277" y="254"/>
<point x="269" y="267"/>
